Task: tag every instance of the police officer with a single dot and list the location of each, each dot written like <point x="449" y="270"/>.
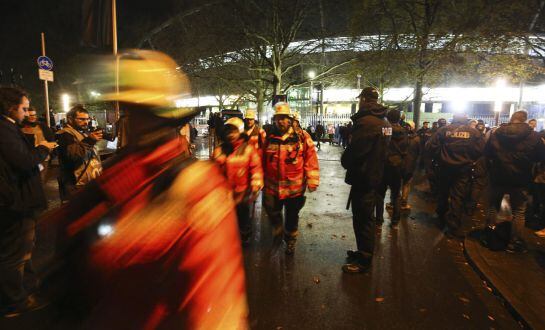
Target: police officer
<point x="456" y="148"/>
<point x="364" y="160"/>
<point x="394" y="169"/>
<point x="511" y="151"/>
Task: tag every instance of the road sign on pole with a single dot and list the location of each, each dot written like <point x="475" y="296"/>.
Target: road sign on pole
<point x="45" y="75"/>
<point x="45" y="63"/>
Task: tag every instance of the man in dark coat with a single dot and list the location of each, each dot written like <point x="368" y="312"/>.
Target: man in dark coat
<point x="456" y="148"/>
<point x="364" y="160"/>
<point x="21" y="196"/>
<point x="511" y="152"/>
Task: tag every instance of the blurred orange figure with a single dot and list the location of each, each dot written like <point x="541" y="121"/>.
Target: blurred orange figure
<point x="242" y="166"/>
<point x="154" y="239"/>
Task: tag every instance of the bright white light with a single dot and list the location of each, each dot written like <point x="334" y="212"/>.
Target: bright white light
<point x="65" y="98"/>
<point x="312" y="74"/>
<point x="460" y="106"/>
<point x="105" y="230"/>
<point x="500" y="94"/>
<point x="94" y="93"/>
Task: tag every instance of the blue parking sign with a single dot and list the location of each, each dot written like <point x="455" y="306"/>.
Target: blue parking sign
<point x="45" y="63"/>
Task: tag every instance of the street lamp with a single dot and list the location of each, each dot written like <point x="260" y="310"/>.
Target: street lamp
<point x="498" y="103"/>
<point x="65" y="98"/>
<point x="359" y="81"/>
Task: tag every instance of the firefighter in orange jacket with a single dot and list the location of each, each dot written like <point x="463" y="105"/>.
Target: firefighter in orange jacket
<point x="241" y="164"/>
<point x="290" y="165"/>
<point x="255" y="133"/>
<point x="153" y="242"/>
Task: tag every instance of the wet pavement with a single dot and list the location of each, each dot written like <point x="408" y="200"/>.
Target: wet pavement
<point x="419" y="279"/>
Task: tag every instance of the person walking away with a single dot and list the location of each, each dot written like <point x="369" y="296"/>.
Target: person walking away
<point x="78" y="158"/>
<point x="331" y="133"/>
<point x="364" y="160"/>
<point x="255" y="133"/>
<point x="320" y="132"/>
<point x="290" y="165"/>
<point x="456" y="147"/>
<point x="21" y="198"/>
<point x="241" y="164"/>
<point x="413" y="153"/>
<point x="511" y="151"/>
<point x="394" y="169"/>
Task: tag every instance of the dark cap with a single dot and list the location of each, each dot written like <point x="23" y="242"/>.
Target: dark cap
<point x="369" y="93"/>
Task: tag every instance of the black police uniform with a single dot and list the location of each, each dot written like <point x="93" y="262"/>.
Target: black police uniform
<point x="511" y="152"/>
<point x="456" y="147"/>
<point x="394" y="172"/>
<point x="364" y="160"/>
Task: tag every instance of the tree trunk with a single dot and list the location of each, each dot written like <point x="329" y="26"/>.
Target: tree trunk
<point x="260" y="100"/>
<point x="417" y="101"/>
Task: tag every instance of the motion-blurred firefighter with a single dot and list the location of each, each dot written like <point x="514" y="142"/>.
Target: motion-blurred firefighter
<point x="155" y="238"/>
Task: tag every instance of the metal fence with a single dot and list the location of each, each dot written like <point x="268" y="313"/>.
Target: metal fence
<point x="340" y="119"/>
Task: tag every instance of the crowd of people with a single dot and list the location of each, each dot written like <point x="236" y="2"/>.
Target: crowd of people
<point x="152" y="207"/>
<point x="466" y="163"/>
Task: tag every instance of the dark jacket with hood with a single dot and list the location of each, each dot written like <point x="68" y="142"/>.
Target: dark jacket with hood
<point x="511" y="152"/>
<point x="399" y="147"/>
<point x="365" y="156"/>
<point x="456" y="146"/>
<point x="21" y="190"/>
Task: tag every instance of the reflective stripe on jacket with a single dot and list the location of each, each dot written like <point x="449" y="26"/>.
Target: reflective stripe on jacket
<point x="242" y="169"/>
<point x="290" y="164"/>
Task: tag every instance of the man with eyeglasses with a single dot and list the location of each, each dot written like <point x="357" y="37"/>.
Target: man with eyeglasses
<point x="79" y="161"/>
<point x="21" y="197"/>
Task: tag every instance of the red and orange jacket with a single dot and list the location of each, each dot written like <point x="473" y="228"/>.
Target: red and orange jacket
<point x="290" y="164"/>
<point x="243" y="170"/>
<point x="165" y="251"/>
<point x="257" y="138"/>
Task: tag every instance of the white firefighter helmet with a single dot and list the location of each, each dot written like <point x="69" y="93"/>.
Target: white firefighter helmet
<point x="282" y="108"/>
<point x="236" y="122"/>
<point x="147" y="78"/>
<point x="296" y="116"/>
<point x="250" y="114"/>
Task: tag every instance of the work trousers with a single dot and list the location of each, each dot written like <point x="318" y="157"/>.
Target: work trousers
<point x="454" y="190"/>
<point x="363" y="205"/>
<point x="17" y="236"/>
<point x="393" y="179"/>
<point x="244" y="221"/>
<point x="275" y="207"/>
<point x="518" y="198"/>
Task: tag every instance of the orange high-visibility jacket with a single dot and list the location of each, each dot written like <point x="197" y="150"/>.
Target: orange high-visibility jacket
<point x="242" y="168"/>
<point x="169" y="256"/>
<point x="290" y="164"/>
<point x="257" y="136"/>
